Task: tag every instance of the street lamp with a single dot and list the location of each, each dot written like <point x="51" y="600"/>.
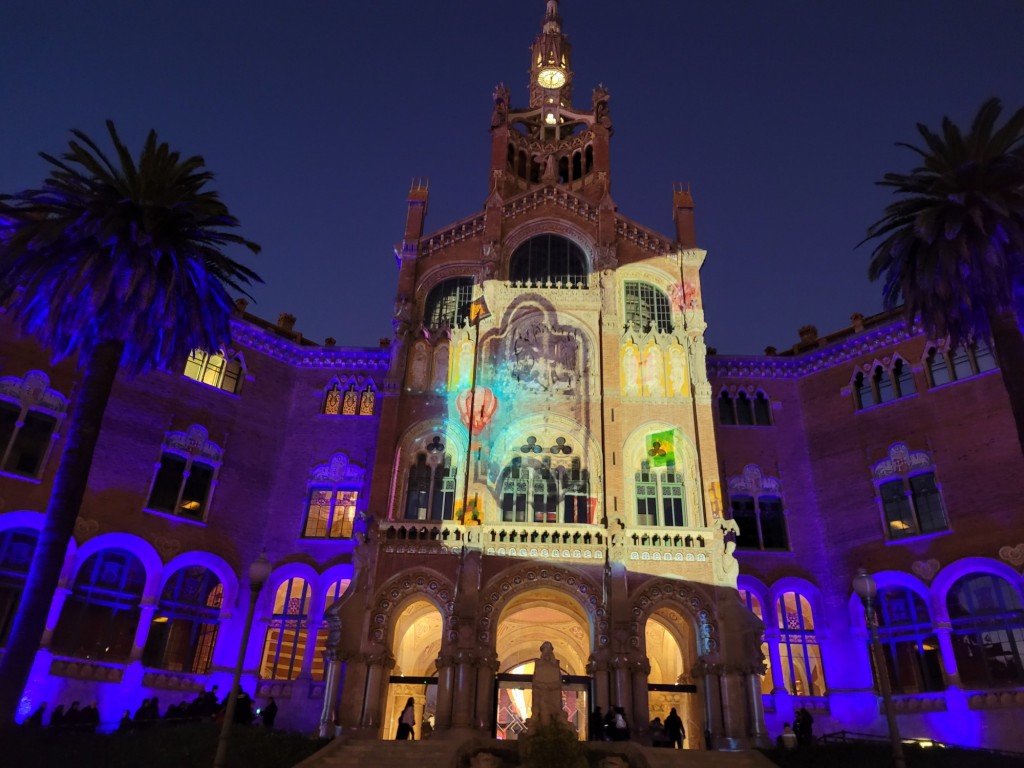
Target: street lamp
<point x="866" y="589"/>
<point x="259" y="571"/>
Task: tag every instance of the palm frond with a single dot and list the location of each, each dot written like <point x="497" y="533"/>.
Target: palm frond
<point x="130" y="251"/>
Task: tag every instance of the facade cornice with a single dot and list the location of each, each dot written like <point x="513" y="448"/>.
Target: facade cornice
<point x="346" y="358"/>
<point x="813" y="361"/>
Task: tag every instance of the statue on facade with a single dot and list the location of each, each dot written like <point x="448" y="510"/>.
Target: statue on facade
<point x="547" y="690"/>
<point x="500" y="115"/>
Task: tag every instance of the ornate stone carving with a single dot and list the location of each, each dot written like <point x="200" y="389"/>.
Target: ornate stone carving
<point x="86" y="528"/>
<point x="926" y="569"/>
<point x="525" y="578"/>
<point x="680" y="595"/>
<point x="430" y="585"/>
<point x="33" y="392"/>
<point x="1013" y="555"/>
<point x="167" y="548"/>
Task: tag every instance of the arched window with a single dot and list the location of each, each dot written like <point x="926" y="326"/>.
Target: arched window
<point x="17" y="546"/>
<point x="864" y="391"/>
<point x="319" y="666"/>
<point x="753" y="604"/>
<point x="184" y="628"/>
<point x="904" y="377"/>
<point x="448" y="303"/>
<point x="762" y="525"/>
<point x="883" y="385"/>
<point x="330" y="513"/>
<point x="332" y="498"/>
<point x="186" y="475"/>
<point x="432" y="482"/>
<point x="744" y="410"/>
<point x="30" y="413"/>
<point x="756" y="501"/>
<point x="946" y="365"/>
<point x="798" y="646"/>
<point x="988" y="630"/>
<point x="647" y="308"/>
<point x="549" y="261"/>
<point x="100" y="616"/>
<point x="216" y="370"/>
<point x="660" y="496"/>
<point x="910" y="498"/>
<point x="287" y="632"/>
<point x="540" y="490"/>
<point x="726" y="412"/>
<point x="910" y="646"/>
<point x="332" y="401"/>
<point x="762" y="410"/>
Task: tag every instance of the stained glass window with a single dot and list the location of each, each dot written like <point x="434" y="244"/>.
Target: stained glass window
<point x="350" y="401"/>
<point x="800" y="654"/>
<point x="184" y="627"/>
<point x="287" y="632"/>
<point x="330" y="513"/>
<point x="214" y="370"/>
<point x="366" y="402"/>
<point x="332" y="401"/>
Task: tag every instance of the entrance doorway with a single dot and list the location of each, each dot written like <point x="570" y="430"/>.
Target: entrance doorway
<point x="422" y="691"/>
<point x="530" y="619"/>
<point x="416" y="643"/>
<point x="670" y="639"/>
<point x="514" y="702"/>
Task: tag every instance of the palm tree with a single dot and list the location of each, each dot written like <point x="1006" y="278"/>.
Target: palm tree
<point x="952" y="246"/>
<point x="120" y="264"/>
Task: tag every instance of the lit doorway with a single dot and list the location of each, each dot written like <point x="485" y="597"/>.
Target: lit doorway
<point x="530" y="619"/>
<point x="672" y="650"/>
<point x="416" y="643"/>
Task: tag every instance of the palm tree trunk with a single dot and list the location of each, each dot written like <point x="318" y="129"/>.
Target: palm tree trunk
<point x="1010" y="352"/>
<point x="65" y="501"/>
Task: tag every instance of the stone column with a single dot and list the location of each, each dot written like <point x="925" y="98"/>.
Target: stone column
<point x="755" y="708"/>
<point x="775" y="658"/>
<point x="623" y="694"/>
<point x="350" y="712"/>
<point x="313" y="629"/>
<point x="56" y="606"/>
<point x="641" y="670"/>
<point x="712" y="701"/>
<point x="146" y="612"/>
<point x="487" y="668"/>
<point x="378" y="669"/>
<point x="944" y="633"/>
<point x="598" y="670"/>
<point x="734" y="704"/>
<point x="332" y="684"/>
<point x="465" y="689"/>
<point x="445" y="686"/>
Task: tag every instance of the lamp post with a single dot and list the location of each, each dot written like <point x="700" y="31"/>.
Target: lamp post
<point x="259" y="571"/>
<point x="866" y="589"/>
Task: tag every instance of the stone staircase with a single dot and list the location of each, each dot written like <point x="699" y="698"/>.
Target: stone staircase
<point x="455" y="753"/>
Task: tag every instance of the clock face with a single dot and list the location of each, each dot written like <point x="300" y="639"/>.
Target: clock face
<point x="551" y="78"/>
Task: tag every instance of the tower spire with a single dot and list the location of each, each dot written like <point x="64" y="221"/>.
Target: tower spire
<point x="550" y="75"/>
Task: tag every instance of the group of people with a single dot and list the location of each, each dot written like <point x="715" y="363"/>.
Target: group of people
<point x="205" y="707"/>
<point x="75" y="717"/>
<point x="669" y="734"/>
<point x="800" y="734"/>
<point x="614" y="726"/>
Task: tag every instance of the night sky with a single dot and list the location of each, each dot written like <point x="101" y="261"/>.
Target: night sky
<point x="315" y="116"/>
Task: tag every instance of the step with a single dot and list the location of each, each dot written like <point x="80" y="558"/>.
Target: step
<point x="444" y="753"/>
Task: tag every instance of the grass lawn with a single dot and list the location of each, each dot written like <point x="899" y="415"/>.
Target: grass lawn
<point x="158" y="747"/>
